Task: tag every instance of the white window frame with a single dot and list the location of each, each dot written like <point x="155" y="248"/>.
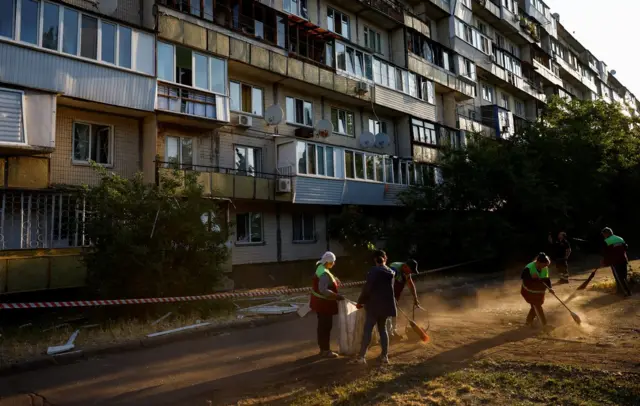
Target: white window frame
<point x="23" y="124"/>
<point x="364" y="166"/>
<point x="300" y="217"/>
<point x="257" y="170"/>
<point x="306" y="160"/>
<point x="519" y="107"/>
<point x="239" y="83"/>
<point x="504" y="101"/>
<point x="487" y="90"/>
<point x="78" y="42"/>
<point x="303" y="124"/>
<point x="249" y="229"/>
<point x="354" y="74"/>
<point x="339" y="110"/>
<point x="370" y="33"/>
<point x="111" y="157"/>
<point x="373" y="123"/>
<point x="342" y="15"/>
<point x="180" y="163"/>
<point x="298" y="8"/>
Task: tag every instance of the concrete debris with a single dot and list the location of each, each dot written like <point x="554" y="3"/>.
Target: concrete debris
<point x="66" y="347"/>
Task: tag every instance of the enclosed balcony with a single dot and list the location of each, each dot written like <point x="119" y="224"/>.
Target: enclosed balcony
<point x="181" y="100"/>
<point x="230" y="183"/>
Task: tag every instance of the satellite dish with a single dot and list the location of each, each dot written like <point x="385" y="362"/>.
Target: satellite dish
<point x="382" y="140"/>
<point x="367" y="139"/>
<point x="324" y="127"/>
<point x="273" y="115"/>
<point x="613" y="72"/>
<point x="107" y="7"/>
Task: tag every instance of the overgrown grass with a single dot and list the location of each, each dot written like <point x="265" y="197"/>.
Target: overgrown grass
<point x="484" y="383"/>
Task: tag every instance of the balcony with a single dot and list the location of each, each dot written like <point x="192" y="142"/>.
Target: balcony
<point x="441" y="76"/>
<point x="388" y="14"/>
<point x="188" y="102"/>
<point x="229" y="183"/>
<point x="546" y="73"/>
<point x="469" y="125"/>
<point x="538" y="15"/>
<point x="513" y="82"/>
<point x="566" y="67"/>
<point x="487" y="9"/>
<point x="403" y="104"/>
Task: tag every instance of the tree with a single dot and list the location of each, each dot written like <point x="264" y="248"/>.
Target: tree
<point x="577" y="170"/>
<point x="152" y="241"/>
<point x="357" y="233"/>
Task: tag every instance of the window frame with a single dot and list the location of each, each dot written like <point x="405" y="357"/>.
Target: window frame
<point x="347" y="113"/>
<point x="257" y="170"/>
<point x="489" y="92"/>
<point x="111" y="156"/>
<point x="364" y="154"/>
<point x="181" y="165"/>
<point x="372" y="123"/>
<point x="325" y="154"/>
<point x="253" y="87"/>
<point x="59" y="49"/>
<point x="286" y="7"/>
<point x="300" y="216"/>
<point x="23" y="121"/>
<point x="334" y="11"/>
<point x="354" y="51"/>
<point x="249" y="214"/>
<point x="368" y="34"/>
<point x="294" y="123"/>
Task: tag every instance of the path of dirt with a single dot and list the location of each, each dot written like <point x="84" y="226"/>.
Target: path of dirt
<point x="270" y="364"/>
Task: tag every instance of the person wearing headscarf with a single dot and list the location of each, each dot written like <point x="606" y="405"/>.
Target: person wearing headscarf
<point x="535" y="282"/>
<point x="324" y="301"/>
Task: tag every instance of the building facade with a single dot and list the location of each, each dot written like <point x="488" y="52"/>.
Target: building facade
<point x="286" y="109"/>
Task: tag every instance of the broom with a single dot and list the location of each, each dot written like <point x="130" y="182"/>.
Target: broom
<point x="424" y="337"/>
<point x="584" y="284"/>
<point x="574" y="316"/>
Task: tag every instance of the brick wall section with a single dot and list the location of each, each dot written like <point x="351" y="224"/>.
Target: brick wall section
<point x="127" y="10"/>
<point x="126" y="147"/>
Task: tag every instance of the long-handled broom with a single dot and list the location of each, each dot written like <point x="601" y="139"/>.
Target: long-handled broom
<point x="574" y="316"/>
<point x="424" y="337"/>
<point x="584" y="284"/>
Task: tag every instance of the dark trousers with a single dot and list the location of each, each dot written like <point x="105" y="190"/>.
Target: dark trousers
<point x="325" y="324"/>
<point x="536" y="310"/>
<point x="620" y="274"/>
<point x="369" y="323"/>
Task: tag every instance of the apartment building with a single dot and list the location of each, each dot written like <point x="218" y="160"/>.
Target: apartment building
<point x="286" y="109"/>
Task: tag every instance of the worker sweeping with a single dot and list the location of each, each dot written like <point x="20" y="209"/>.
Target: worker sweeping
<point x="615" y="256"/>
<point x="535" y="282"/>
<point x="403" y="272"/>
<point x="324" y="297"/>
<point x="377" y="297"/>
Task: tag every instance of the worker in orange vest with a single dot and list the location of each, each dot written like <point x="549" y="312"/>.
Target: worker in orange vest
<point x="324" y="301"/>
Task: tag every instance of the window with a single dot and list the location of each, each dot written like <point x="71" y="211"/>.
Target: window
<point x="50" y="26"/>
<point x="304" y="228"/>
<point x="12" y="117"/>
<point x="70" y="32"/>
<point x="343" y="122"/>
<point x="504" y="101"/>
<point x="7" y="16"/>
<point x="487" y="93"/>
<point x="29" y="18"/>
<point x="467" y="68"/>
<point x="108" y="42"/>
<point x="338" y="23"/>
<point x="372" y="40"/>
<point x="179" y="151"/>
<point x="473" y="37"/>
<point x="176" y="64"/>
<point x="429" y="50"/>
<point x="360" y="165"/>
<point x="519" y="108"/>
<point x="297" y="7"/>
<point x="427" y="90"/>
<point x="92" y="142"/>
<point x="423" y="132"/>
<point x="245" y="98"/>
<point x="249" y="228"/>
<point x="89" y="37"/>
<point x="248" y="160"/>
<point x="377" y="127"/>
<point x="354" y="62"/>
<point x="315" y="159"/>
<point x="299" y="112"/>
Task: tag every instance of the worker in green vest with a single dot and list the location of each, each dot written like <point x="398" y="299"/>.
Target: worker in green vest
<point x="615" y="256"/>
<point x="535" y="282"/>
<point x="403" y="271"/>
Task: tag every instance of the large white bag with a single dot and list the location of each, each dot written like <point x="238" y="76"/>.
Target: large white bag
<point x="351" y="321"/>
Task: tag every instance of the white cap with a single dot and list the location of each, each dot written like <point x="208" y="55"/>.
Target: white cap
<point x="327" y="257"/>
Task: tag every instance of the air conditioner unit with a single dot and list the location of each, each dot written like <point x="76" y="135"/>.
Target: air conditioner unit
<point x="284" y="185"/>
<point x="362" y="88"/>
<point x="245" y="121"/>
<point x="304" y="132"/>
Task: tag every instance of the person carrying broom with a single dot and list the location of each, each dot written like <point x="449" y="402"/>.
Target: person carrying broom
<point x="535" y="282"/>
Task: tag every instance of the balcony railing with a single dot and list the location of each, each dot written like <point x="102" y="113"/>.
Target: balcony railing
<point x="184" y="100"/>
<point x="237" y="183"/>
<point x="390" y="8"/>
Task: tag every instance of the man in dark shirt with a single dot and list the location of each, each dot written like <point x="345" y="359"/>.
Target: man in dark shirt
<point x="615" y="256"/>
<point x="560" y="251"/>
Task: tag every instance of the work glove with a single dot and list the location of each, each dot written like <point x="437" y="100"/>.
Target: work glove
<point x="359" y="306"/>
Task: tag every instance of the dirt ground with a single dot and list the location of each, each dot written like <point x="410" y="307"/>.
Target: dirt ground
<point x="480" y="353"/>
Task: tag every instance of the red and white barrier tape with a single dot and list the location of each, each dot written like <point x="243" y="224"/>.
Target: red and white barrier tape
<point x="213" y="296"/>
